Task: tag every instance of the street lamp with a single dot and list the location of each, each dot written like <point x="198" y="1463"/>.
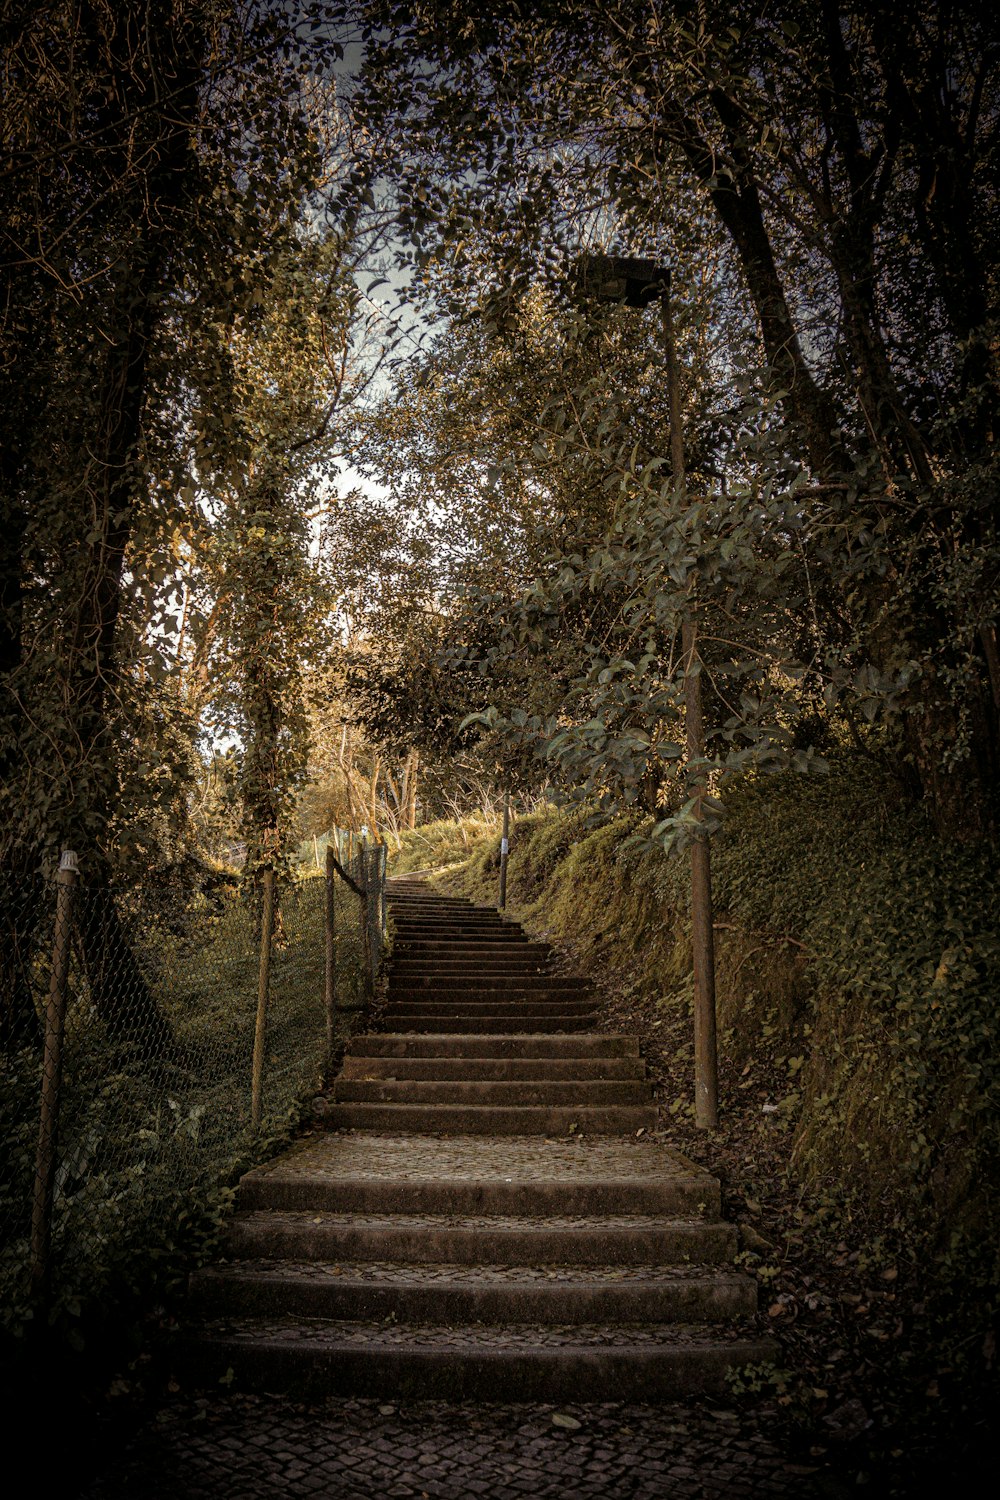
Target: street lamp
<point x="632" y="282"/>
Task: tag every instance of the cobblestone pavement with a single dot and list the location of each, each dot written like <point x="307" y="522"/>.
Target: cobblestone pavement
<point x="249" y="1448"/>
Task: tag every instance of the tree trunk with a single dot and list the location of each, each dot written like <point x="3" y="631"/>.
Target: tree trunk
<point x="410" y="795"/>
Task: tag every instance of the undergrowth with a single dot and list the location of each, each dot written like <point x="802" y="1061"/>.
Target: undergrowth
<point x="858" y="961"/>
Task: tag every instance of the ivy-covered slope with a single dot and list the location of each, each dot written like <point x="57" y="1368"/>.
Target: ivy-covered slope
<point x="858" y="967"/>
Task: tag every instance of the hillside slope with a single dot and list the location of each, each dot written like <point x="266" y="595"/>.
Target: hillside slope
<point x="858" y="964"/>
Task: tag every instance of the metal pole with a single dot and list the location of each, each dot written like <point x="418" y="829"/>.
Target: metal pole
<point x="504" y="850"/>
<point x="263" y="994"/>
<point x="330" y="934"/>
<point x="48" y="1124"/>
<point x="383" y="910"/>
<point x="706" y="1066"/>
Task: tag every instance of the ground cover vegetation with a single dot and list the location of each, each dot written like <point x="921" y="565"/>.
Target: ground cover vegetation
<point x="858" y="1133"/>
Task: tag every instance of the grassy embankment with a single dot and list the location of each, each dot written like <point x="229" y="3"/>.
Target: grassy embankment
<point x="858" y="962"/>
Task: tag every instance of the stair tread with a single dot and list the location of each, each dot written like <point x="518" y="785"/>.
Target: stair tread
<point x="493" y="1223"/>
<point x="484" y="1338"/>
<point x="399" y="1272"/>
<point x="514" y="1159"/>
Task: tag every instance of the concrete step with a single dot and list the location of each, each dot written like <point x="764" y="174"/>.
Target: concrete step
<point x="490" y="927"/>
<point x="527" y="1362"/>
<point x="524" y="1044"/>
<point x="492" y="943"/>
<point x="479" y="1002"/>
<point x="499" y="1240"/>
<point x="470" y="965"/>
<point x="371" y="1173"/>
<point x="445" y="1022"/>
<point x="473" y="1294"/>
<point x="576" y="1092"/>
<point x="492" y="1069"/>
<point x="503" y="1002"/>
<point x="437" y="982"/>
<point x="471" y="1119"/>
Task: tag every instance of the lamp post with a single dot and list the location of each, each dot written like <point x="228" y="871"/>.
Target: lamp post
<point x="632" y="282"/>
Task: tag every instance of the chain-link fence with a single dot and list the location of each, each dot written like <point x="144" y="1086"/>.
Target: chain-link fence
<point x="152" y="1044"/>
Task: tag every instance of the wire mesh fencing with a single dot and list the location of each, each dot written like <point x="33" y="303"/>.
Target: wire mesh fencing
<point x="148" y="1054"/>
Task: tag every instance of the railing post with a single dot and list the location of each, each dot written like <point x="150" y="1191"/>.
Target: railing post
<point x="365" y="865"/>
<point x="263" y="994"/>
<point x="330" y="931"/>
<point x="384" y="910"/>
<point x="706" y="1064"/>
<point x="48" y="1124"/>
<point x="504" y="850"/>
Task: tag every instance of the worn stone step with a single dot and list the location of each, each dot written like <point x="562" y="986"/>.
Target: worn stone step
<point x="445" y="1022"/>
<point x="505" y="1002"/>
<point x="471" y="965"/>
<point x="471" y="1119"/>
<point x="523" y="1362"/>
<point x="444" y="1004"/>
<point x="585" y="1093"/>
<point x="518" y="1044"/>
<point x="498" y="943"/>
<point x="530" y="1175"/>
<point x="622" y="1240"/>
<point x="473" y="1294"/>
<point x="467" y="917"/>
<point x="436" y="982"/>
<point x="489" y="1069"/>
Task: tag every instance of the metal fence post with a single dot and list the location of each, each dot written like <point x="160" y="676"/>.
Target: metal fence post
<point x="263" y="993"/>
<point x="383" y="912"/>
<point x="364" y="867"/>
<point x="48" y="1124"/>
<point x="330" y="934"/>
<point x="504" y="850"/>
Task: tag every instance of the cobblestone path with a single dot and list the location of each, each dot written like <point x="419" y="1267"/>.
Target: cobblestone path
<point x="260" y="1448"/>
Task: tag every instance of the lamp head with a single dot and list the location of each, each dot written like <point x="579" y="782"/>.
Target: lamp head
<point x="625" y="279"/>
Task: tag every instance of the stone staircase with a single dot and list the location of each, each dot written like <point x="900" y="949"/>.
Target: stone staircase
<point x="488" y="1216"/>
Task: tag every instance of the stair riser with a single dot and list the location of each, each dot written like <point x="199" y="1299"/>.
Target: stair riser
<point x="490" y="1025"/>
<point x="477" y="963"/>
<point x="592" y="1044"/>
<point x="594" y="1245"/>
<point x="499" y="1004"/>
<point x="461" y="1119"/>
<point x="493" y="1070"/>
<point x="547" y="1094"/>
<point x="530" y="1013"/>
<point x="376" y="1196"/>
<point x="712" y="1300"/>
<point x="487" y="982"/>
<point x="482" y="932"/>
<point x="451" y="947"/>
<point x="488" y="1374"/>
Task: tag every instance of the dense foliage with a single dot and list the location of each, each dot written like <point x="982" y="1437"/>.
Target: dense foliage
<point x="835" y="169"/>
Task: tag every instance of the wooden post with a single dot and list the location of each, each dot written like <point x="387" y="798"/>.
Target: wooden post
<point x="384" y="910"/>
<point x="263" y="995"/>
<point x="48" y="1124"/>
<point x="504" y="850"/>
<point x="330" y="933"/>
<point x="365" y="866"/>
<point x="706" y="1067"/>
